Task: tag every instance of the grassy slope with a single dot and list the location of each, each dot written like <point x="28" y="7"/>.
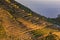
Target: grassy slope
<point x="36" y="33"/>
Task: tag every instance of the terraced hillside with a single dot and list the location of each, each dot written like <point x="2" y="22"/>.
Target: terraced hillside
<point x="18" y="22"/>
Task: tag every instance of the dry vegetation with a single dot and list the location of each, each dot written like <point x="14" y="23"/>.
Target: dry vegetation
<point x="23" y="24"/>
<point x="10" y="29"/>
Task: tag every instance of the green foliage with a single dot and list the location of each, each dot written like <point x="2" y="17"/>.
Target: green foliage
<point x="37" y="33"/>
<point x="53" y="20"/>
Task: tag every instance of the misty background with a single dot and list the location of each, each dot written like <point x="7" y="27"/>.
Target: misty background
<point x="48" y="8"/>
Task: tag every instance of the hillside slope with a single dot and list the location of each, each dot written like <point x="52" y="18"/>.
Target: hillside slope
<point x="20" y="23"/>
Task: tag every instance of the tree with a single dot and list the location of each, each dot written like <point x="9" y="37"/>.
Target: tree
<point x="58" y="18"/>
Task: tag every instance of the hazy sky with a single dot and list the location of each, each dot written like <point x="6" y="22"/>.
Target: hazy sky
<point x="48" y="8"/>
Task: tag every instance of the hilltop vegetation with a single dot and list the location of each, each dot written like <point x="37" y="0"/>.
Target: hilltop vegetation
<point x="54" y="20"/>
